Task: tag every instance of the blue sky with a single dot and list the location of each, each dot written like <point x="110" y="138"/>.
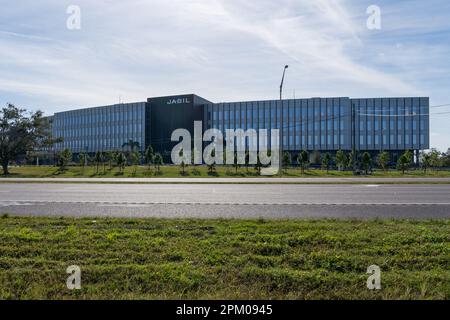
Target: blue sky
<point x="224" y="50"/>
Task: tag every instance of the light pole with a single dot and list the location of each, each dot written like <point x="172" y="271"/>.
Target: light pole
<point x="281" y="119"/>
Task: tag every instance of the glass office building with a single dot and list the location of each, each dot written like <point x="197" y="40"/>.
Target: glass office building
<point x="331" y="124"/>
<point x="100" y="128"/>
<point x="392" y="124"/>
<point x="308" y="124"/>
<point x="315" y="124"/>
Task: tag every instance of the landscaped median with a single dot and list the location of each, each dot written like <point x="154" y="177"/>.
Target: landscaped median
<point x="223" y="259"/>
<point x="222" y="175"/>
<point x="203" y="172"/>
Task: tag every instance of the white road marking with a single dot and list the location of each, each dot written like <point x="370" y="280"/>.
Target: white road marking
<point x="6" y="203"/>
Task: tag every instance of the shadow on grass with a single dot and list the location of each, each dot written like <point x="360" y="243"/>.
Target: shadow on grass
<point x="213" y="174"/>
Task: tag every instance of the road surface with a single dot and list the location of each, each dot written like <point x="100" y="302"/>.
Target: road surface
<point x="270" y="201"/>
<point x="312" y="180"/>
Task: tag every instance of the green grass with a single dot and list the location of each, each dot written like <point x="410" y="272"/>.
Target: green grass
<point x="196" y="172"/>
<point x="223" y="259"/>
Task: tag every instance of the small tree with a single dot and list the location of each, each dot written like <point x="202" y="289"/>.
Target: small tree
<point x="403" y="163"/>
<point x="212" y="166"/>
<point x="149" y="156"/>
<point x="121" y="160"/>
<point x="247" y="160"/>
<point x="366" y="162"/>
<point x="286" y="160"/>
<point x="410" y="156"/>
<point x="425" y="161"/>
<point x="183" y="162"/>
<point x="353" y="160"/>
<point x="446" y="159"/>
<point x="326" y="161"/>
<point x="83" y="159"/>
<point x="236" y="164"/>
<point x="64" y="157"/>
<point x="109" y="157"/>
<point x="383" y="160"/>
<point x="435" y="159"/>
<point x="341" y="160"/>
<point x="258" y="165"/>
<point x="303" y="160"/>
<point x="135" y="158"/>
<point x="158" y="162"/>
<point x="98" y="159"/>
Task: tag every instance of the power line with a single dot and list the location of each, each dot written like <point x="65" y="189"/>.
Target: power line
<point x="441" y="106"/>
<point x="402" y="115"/>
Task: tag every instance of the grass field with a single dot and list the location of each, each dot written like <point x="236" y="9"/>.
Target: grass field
<point x="223" y="259"/>
<point x="198" y="171"/>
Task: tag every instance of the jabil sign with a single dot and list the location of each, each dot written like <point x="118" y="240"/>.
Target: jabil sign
<point x="178" y="101"/>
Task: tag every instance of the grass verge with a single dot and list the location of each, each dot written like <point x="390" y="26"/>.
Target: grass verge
<point x="201" y="172"/>
<point x="223" y="259"/>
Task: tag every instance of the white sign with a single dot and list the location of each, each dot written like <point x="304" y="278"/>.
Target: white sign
<point x="178" y="101"/>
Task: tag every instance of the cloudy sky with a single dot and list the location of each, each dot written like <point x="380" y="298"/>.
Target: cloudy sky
<point x="224" y="50"/>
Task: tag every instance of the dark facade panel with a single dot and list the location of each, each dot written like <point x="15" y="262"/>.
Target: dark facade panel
<point x="171" y="113"/>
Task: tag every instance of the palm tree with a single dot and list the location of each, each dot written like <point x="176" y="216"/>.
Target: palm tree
<point x="303" y="160"/>
<point x="131" y="144"/>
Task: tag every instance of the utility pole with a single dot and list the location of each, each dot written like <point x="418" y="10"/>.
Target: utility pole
<point x="281" y="119"/>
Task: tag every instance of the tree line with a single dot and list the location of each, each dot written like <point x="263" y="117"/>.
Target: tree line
<point x="22" y="131"/>
<point x="112" y="159"/>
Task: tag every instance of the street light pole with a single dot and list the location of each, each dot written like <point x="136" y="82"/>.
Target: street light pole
<point x="281" y="119"/>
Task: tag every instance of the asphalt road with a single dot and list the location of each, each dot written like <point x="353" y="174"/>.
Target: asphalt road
<point x="226" y="200"/>
<point x="302" y="180"/>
